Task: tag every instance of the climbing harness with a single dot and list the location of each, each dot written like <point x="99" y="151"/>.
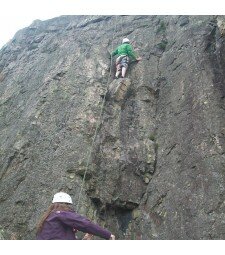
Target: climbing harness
<point x="122" y="60"/>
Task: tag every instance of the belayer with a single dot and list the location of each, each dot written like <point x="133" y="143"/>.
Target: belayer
<point x="61" y="222"/>
<point x="125" y="52"/>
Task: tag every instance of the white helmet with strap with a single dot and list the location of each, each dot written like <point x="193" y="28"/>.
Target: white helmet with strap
<point x="125" y="40"/>
<point x="62" y="197"/>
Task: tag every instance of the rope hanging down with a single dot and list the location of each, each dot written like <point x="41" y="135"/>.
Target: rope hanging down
<point x="98" y="125"/>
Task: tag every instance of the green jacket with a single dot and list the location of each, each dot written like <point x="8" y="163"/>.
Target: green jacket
<point x="125" y="49"/>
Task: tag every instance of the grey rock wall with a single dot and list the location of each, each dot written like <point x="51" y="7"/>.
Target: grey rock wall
<point x="155" y="169"/>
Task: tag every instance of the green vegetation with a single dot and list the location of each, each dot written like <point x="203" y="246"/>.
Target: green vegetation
<point x="161" y="28"/>
<point x="162" y="45"/>
<point x="152" y="137"/>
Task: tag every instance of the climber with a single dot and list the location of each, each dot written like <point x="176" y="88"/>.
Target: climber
<point x="125" y="52"/>
<point x="60" y="222"/>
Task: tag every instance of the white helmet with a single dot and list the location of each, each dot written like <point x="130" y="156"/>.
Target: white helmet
<point x="125" y="40"/>
<point x="62" y="197"/>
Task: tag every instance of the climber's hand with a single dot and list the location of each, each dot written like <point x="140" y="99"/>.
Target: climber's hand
<point x="112" y="237"/>
<point x="138" y="59"/>
<point x="87" y="236"/>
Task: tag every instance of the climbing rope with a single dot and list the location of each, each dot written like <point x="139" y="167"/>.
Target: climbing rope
<point x="99" y="123"/>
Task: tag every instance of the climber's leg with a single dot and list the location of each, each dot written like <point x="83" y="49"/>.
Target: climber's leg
<point x="124" y="70"/>
<point x="118" y="71"/>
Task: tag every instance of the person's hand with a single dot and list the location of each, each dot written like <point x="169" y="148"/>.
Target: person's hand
<point x="112" y="237"/>
<point x="87" y="236"/>
<point x="138" y="59"/>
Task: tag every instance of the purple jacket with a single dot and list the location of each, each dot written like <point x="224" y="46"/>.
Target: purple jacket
<point x="62" y="225"/>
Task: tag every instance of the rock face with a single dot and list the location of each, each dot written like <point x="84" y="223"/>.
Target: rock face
<point x="149" y="148"/>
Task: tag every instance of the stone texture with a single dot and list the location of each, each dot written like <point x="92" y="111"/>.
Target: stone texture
<point x="151" y="146"/>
